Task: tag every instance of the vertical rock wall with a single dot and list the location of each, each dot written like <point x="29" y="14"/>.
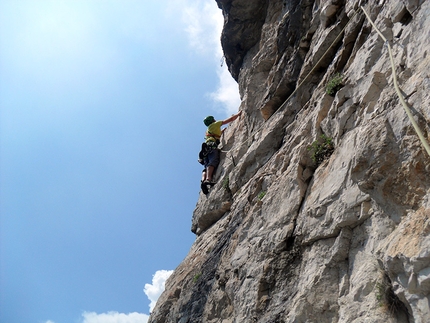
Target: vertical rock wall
<point x="282" y="238"/>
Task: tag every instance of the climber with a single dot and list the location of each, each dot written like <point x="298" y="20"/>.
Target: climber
<point x="209" y="155"/>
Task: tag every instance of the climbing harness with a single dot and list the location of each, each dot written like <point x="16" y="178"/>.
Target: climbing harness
<point x="211" y="137"/>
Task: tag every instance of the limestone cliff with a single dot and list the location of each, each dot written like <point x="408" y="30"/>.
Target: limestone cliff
<point x="309" y="228"/>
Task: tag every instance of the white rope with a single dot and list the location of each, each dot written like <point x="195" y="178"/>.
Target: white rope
<point x="396" y="86"/>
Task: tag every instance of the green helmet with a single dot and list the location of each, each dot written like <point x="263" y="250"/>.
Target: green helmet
<point x="208" y="120"/>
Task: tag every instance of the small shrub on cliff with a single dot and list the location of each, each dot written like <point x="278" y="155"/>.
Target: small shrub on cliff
<point x="226" y="184"/>
<point x="261" y="195"/>
<point x="335" y="84"/>
<point x="388" y="300"/>
<point x="196" y="277"/>
<point x="321" y="149"/>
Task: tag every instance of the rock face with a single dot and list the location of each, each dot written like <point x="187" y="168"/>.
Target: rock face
<point x="304" y="228"/>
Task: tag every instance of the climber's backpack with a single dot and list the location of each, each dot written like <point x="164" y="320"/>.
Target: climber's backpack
<point x="207" y="147"/>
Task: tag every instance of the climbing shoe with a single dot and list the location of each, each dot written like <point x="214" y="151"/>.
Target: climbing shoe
<point x="204" y="188"/>
<point x="210" y="183"/>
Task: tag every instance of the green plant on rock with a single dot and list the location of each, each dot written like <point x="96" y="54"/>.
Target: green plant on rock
<point x="196" y="277"/>
<point x="380" y="293"/>
<point x="226" y="184"/>
<point x="335" y="84"/>
<point x="321" y="149"/>
<point x="261" y="195"/>
<point x="387" y="299"/>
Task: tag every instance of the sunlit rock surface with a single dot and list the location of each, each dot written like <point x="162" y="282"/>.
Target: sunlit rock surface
<point x="283" y="239"/>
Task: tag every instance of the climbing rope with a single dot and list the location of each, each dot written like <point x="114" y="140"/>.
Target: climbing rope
<point x="396" y="86"/>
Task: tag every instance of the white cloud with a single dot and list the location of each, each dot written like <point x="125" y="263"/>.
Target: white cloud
<point x="154" y="291"/>
<point x="203" y="26"/>
<point x="228" y="91"/>
<point x="204" y="21"/>
<point x="49" y="321"/>
<point x="114" y="317"/>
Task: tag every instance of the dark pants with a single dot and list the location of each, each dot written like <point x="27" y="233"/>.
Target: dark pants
<point x="213" y="158"/>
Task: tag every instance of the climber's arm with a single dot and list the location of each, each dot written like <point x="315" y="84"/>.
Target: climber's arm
<point x="232" y="118"/>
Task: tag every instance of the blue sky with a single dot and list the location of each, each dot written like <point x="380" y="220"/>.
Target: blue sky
<point x="101" y="109"/>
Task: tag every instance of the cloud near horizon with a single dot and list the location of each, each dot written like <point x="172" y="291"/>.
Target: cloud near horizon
<point x="114" y="317"/>
<point x="154" y="290"/>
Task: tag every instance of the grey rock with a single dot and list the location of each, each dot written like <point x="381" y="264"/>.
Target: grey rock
<point x="347" y="240"/>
